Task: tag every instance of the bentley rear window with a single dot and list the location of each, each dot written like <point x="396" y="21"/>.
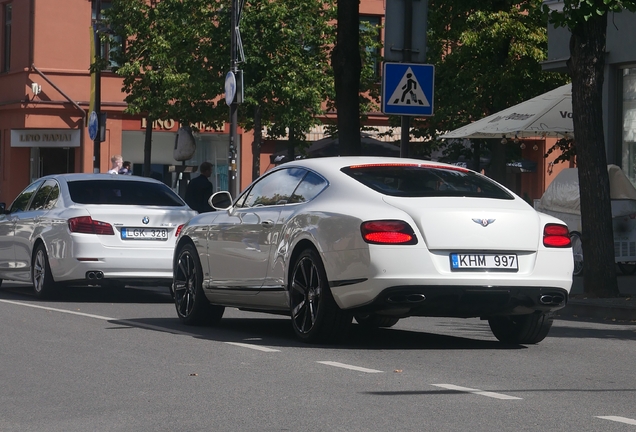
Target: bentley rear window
<point x="121" y="192"/>
<point x="412" y="180"/>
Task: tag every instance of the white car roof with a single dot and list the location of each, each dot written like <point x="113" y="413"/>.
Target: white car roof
<point x="100" y="176"/>
<point x="333" y="164"/>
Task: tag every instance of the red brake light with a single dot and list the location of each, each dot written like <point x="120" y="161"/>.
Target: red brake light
<point x="388" y="232"/>
<point x="411" y="165"/>
<point x="178" y="231"/>
<point x="555" y="235"/>
<point x="86" y="225"/>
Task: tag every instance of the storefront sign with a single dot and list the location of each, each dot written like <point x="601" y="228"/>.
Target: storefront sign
<point x="168" y="125"/>
<point x="45" y="137"/>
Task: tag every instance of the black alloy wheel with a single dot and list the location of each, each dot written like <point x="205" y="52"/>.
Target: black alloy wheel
<point x="521" y="329"/>
<point x="315" y="315"/>
<point x="193" y="308"/>
<point x="43" y="284"/>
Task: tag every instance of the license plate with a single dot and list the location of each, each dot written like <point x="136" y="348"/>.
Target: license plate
<point x="484" y="261"/>
<point x="144" y="234"/>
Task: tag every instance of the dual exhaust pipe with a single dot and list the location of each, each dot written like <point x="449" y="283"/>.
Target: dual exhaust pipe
<point x="93" y="275"/>
<point x="551" y="299"/>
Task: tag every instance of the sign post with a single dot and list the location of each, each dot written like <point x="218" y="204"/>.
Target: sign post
<point x="403" y="43"/>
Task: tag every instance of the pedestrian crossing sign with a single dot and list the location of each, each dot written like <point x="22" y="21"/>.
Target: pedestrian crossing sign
<point x="407" y="89"/>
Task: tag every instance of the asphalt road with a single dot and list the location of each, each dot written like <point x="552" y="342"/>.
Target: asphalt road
<point x="99" y="360"/>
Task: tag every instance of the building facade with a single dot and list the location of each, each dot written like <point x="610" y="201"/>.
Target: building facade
<point x="45" y="93"/>
<point x="619" y="86"/>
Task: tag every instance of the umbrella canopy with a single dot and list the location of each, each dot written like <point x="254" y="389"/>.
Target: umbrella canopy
<point x="547" y="115"/>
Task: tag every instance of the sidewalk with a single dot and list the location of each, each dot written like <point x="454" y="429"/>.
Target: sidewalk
<point x="622" y="308"/>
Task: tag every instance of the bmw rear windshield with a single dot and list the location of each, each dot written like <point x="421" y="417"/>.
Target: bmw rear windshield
<point x="414" y="180"/>
<point x="120" y="192"/>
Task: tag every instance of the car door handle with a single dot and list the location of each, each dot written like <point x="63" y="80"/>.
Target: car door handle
<point x="267" y="223"/>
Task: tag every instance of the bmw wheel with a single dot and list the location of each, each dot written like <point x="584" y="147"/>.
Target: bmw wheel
<point x="375" y="321"/>
<point x="43" y="284"/>
<point x="521" y="329"/>
<point x="193" y="308"/>
<point x="315" y="315"/>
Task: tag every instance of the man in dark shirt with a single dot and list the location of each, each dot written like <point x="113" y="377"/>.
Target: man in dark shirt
<point x="200" y="189"/>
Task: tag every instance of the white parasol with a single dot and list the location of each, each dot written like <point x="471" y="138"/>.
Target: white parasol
<point x="547" y="115"/>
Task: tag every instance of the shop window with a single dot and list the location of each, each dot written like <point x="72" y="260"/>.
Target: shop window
<point x="6" y="43"/>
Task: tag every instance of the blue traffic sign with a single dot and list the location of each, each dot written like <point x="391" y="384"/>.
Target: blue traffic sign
<point x="407" y="89"/>
<point x="93" y="125"/>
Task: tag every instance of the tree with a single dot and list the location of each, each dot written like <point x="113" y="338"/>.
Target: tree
<point x="164" y="74"/>
<point x="587" y="22"/>
<point x="286" y="72"/>
<point x="487" y="58"/>
<point x="347" y="67"/>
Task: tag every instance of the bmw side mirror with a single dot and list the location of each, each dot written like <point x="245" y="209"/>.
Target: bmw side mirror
<point x="221" y="200"/>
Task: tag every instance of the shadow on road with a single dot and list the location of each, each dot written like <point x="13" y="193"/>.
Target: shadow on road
<point x="97" y="294"/>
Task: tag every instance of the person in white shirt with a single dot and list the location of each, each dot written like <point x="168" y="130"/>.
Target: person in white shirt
<point x="116" y="163"/>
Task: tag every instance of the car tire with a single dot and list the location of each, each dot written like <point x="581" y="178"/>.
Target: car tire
<point x="193" y="308"/>
<point x="627" y="268"/>
<point x="315" y="315"/>
<point x="577" y="251"/>
<point x="43" y="284"/>
<point x="521" y="329"/>
<point x="375" y="321"/>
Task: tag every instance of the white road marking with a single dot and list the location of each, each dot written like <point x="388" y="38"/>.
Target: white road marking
<point x="252" y="346"/>
<point x="101" y="317"/>
<point x="346" y="366"/>
<point x="60" y="310"/>
<point x="618" y="419"/>
<point x="476" y="391"/>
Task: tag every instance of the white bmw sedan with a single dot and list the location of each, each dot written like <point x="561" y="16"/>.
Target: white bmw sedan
<point x="91" y="229"/>
<point x="379" y="239"/>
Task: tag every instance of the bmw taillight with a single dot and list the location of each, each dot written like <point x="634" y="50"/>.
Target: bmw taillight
<point x="556" y="235"/>
<point x="86" y="225"/>
<point x="388" y="232"/>
<point x="178" y="231"/>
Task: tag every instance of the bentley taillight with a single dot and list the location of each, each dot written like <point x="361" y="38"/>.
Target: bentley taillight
<point x="86" y="225"/>
<point x="388" y="232"/>
<point x="556" y="235"/>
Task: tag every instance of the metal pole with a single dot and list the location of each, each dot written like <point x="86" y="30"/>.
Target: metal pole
<point x="234" y="105"/>
<point x="98" y="87"/>
<point x="405" y="125"/>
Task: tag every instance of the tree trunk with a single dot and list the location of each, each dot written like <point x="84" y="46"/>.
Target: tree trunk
<point x="497" y="169"/>
<point x="256" y="144"/>
<point x="147" y="147"/>
<point x="291" y="144"/>
<point x="586" y="67"/>
<point x="347" y="66"/>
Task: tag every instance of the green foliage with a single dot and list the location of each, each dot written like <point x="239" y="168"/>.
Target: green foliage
<point x="164" y="72"/>
<point x="575" y="12"/>
<point x="487" y="57"/>
<point x="177" y="53"/>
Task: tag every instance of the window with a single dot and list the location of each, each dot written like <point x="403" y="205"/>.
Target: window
<point x="629" y="123"/>
<point x="22" y="201"/>
<point x="311" y="186"/>
<point x="274" y="189"/>
<point x="46" y="196"/>
<point x="425" y="181"/>
<point x="6" y="58"/>
<point x="370" y="39"/>
<point x="113" y="43"/>
<point x="122" y="192"/>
